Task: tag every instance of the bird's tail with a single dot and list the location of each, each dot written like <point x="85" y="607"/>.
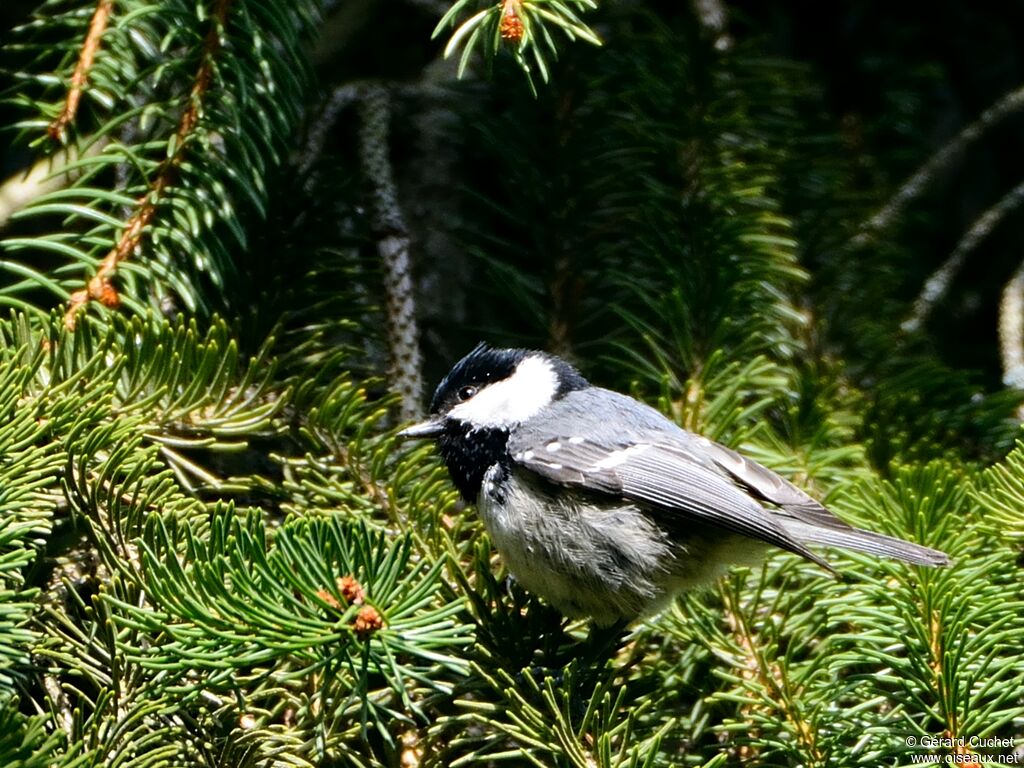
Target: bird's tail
<point x="866" y="541"/>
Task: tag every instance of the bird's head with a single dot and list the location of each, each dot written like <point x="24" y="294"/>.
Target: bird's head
<point x="496" y="390"/>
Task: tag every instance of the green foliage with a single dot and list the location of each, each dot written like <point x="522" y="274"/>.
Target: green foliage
<point x="820" y="672"/>
<point x="283" y="598"/>
<point x="573" y="720"/>
<point x="529" y="28"/>
<point x="25" y="510"/>
<point x="670" y="200"/>
<point x="24" y="741"/>
<point x="213" y="550"/>
<point x="945" y="639"/>
<point x="189" y="601"/>
<point x="1000" y="493"/>
<point x="190" y="107"/>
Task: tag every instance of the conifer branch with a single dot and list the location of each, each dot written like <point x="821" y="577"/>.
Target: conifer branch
<point x="100" y="287"/>
<point x="771" y="677"/>
<point x="341" y="97"/>
<point x="524" y="27"/>
<point x="97" y="26"/>
<point x="200" y="561"/>
<point x="937" y="286"/>
<point x="938" y="163"/>
<point x="938" y="656"/>
<point x="393" y="246"/>
<point x="48" y="174"/>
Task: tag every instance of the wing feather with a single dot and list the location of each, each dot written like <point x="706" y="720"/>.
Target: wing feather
<point x="773" y="488"/>
<point x="683" y="477"/>
<point x="662" y="476"/>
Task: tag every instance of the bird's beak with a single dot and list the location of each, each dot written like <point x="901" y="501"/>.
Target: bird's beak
<point x="425" y="429"/>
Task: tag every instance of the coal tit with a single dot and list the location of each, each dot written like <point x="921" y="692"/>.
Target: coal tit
<point x="601" y="505"/>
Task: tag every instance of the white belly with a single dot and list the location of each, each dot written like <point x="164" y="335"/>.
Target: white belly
<point x="609" y="563"/>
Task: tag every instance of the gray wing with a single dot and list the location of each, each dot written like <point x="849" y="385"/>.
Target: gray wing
<point x="808" y="520"/>
<point x="764" y="484"/>
<point x="654" y="472"/>
<point x="642" y="457"/>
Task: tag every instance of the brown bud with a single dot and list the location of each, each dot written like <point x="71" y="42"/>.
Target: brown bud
<point x="328" y="598"/>
<point x="367" y="621"/>
<point x="511" y="26"/>
<point x="351" y="590"/>
<point x="109" y="296"/>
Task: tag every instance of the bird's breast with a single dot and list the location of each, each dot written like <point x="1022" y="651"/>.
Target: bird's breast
<point x="605" y="561"/>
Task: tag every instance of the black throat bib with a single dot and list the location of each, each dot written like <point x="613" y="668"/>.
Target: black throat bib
<point x="468" y="458"/>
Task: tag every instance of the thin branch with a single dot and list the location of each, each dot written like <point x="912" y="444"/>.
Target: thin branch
<point x="341" y="97"/>
<point x="344" y="96"/>
<point x="393" y="245"/>
<point x="937" y="286"/>
<point x="939" y="654"/>
<point x="97" y="26"/>
<point x="772" y="678"/>
<point x="100" y="287"/>
<point x="60" y="702"/>
<point x="47" y="175"/>
<point x="1011" y="330"/>
<point x="565" y="289"/>
<point x="936" y="164"/>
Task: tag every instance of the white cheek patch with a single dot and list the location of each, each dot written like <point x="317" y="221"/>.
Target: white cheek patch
<point x="511" y="401"/>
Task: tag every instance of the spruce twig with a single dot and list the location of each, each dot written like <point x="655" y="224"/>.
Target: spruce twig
<point x="770" y="675"/>
<point x="97" y="26"/>
<point x="100" y="286"/>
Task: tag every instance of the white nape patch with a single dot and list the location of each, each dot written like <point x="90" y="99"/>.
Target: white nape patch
<point x="552" y="447"/>
<point x="613" y="460"/>
<point x="577" y="440"/>
<point x="506" y="403"/>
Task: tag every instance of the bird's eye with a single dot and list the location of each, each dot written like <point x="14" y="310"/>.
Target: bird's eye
<point x="466" y="392"/>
